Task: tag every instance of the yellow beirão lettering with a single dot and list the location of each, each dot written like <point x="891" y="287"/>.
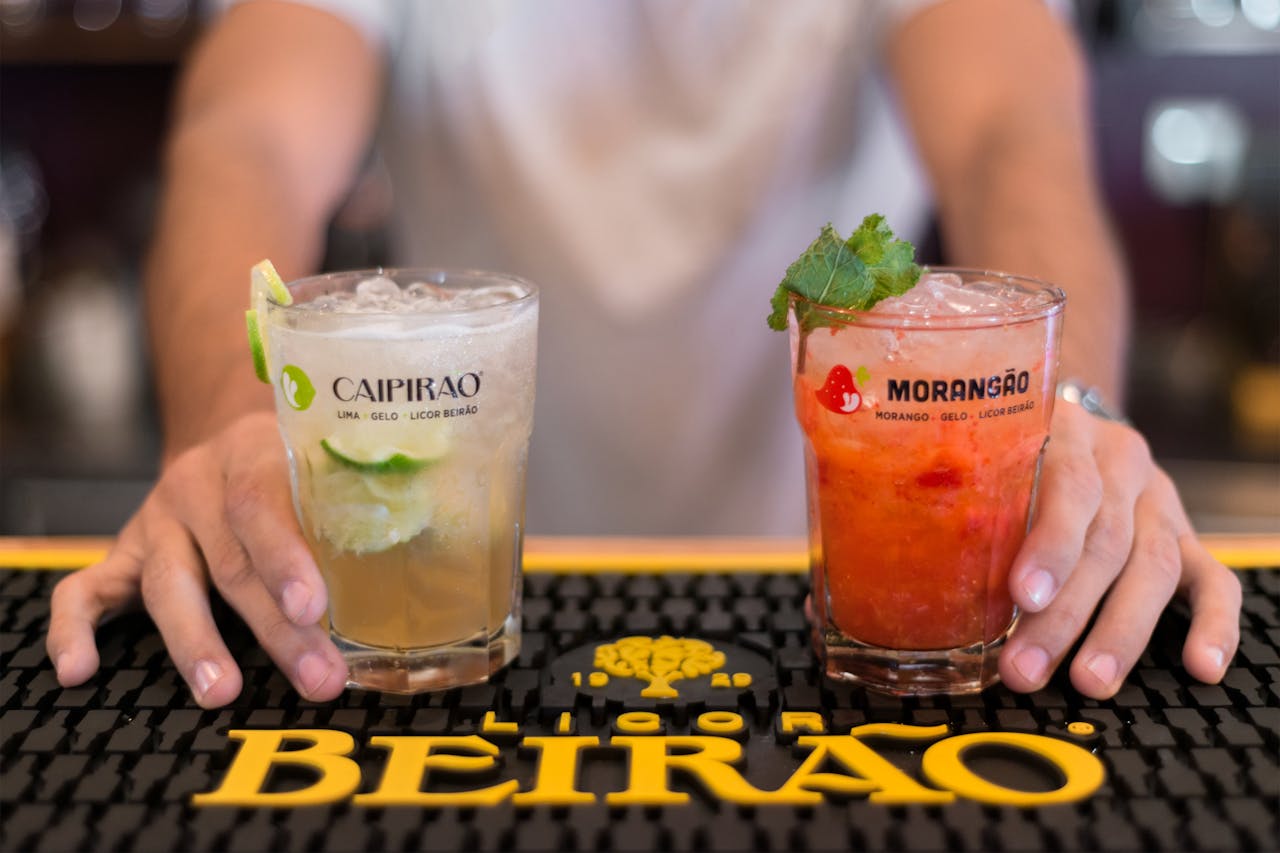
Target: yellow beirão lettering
<point x="260" y="751"/>
<point x="873" y="775"/>
<point x="564" y="723"/>
<point x="410" y="758"/>
<point x="709" y="762"/>
<point x="557" y="772"/>
<point x="900" y="731"/>
<point x="943" y="764"/>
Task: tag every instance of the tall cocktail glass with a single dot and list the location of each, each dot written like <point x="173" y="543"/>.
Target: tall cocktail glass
<point x="924" y="419"/>
<point x="405" y="399"/>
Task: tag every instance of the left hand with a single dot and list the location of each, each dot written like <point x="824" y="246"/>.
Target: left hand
<point x="1110" y="525"/>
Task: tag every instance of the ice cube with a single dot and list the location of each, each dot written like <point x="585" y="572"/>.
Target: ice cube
<point x="326" y="302"/>
<point x="426" y="290"/>
<point x="486" y="297"/>
<point x="950" y="297"/>
<point x="425" y="296"/>
<point x="378" y="292"/>
<point x="945" y="294"/>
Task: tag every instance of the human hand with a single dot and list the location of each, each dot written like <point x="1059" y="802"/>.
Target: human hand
<point x="221" y="511"/>
<point x="1110" y="523"/>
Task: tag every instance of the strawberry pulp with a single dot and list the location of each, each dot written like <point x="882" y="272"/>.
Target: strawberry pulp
<point x="915" y="537"/>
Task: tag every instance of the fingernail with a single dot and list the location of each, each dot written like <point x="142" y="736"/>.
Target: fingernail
<point x="206" y="674"/>
<point x="1219" y="658"/>
<point x="1103" y="667"/>
<point x="296" y="598"/>
<point x="1031" y="663"/>
<point x="312" y="672"/>
<point x="1039" y="587"/>
<point x="57" y="665"/>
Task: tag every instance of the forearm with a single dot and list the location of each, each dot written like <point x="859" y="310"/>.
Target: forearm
<point x="1031" y="207"/>
<point x="997" y="94"/>
<point x="272" y="116"/>
<point x="222" y="212"/>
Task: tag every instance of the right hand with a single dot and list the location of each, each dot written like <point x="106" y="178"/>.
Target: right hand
<point x="221" y="511"/>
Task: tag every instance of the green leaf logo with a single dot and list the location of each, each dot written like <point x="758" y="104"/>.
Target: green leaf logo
<point x="297" y="387"/>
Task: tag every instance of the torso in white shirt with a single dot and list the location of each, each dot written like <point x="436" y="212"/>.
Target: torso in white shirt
<point x="654" y="166"/>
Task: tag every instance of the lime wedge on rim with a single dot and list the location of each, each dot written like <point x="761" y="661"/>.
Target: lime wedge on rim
<point x="369" y="454"/>
<point x="264" y="283"/>
<point x="263" y="278"/>
<point x="257" y="346"/>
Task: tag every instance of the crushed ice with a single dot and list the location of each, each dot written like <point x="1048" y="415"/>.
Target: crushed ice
<point x="381" y="295"/>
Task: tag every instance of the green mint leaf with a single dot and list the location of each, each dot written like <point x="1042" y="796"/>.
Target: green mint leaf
<point x="778" y="316"/>
<point x="852" y="274"/>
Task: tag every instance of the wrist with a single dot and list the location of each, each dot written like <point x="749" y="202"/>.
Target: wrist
<point x="188" y="422"/>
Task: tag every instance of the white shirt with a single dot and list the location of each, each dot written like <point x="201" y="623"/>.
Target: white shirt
<point x="654" y="166"/>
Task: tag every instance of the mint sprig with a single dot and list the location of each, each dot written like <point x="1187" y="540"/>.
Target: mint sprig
<point x="853" y="274"/>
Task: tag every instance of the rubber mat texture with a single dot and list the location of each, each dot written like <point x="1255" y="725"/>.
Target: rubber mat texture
<point x="113" y="764"/>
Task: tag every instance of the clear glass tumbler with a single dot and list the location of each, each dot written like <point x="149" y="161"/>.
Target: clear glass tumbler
<point x="405" y="398"/>
<point x="924" y="422"/>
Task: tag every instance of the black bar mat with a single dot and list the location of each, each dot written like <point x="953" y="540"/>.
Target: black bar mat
<point x="115" y="764"/>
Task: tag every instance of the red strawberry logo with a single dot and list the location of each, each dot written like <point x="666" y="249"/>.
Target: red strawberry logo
<point x="839" y="393"/>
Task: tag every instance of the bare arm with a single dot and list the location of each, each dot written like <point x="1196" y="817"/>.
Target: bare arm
<point x="272" y="115"/>
<point x="996" y="93"/>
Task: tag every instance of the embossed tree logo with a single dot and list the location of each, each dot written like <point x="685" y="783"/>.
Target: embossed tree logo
<point x="659" y="661"/>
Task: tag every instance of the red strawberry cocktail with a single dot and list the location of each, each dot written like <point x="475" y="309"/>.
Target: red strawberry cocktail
<point x="924" y="420"/>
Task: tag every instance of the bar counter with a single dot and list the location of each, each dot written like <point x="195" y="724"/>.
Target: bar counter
<point x="554" y="754"/>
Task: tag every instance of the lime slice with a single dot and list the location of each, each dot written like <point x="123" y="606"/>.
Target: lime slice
<point x="378" y="490"/>
<point x="264" y="283"/>
<point x="370" y="453"/>
<point x="263" y="278"/>
<point x="351" y="515"/>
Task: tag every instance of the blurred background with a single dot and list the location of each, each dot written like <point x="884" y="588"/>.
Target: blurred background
<point x="1187" y="103"/>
